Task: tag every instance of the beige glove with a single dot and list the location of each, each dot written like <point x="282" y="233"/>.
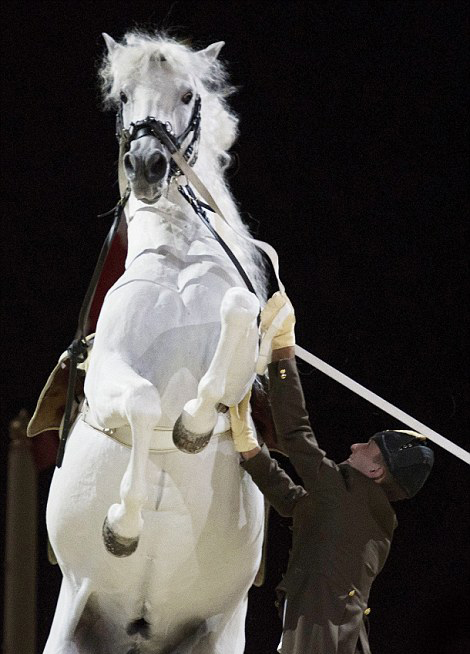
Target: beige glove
<point x="277" y="328"/>
<point x="242" y="433"/>
<point x="278" y="316"/>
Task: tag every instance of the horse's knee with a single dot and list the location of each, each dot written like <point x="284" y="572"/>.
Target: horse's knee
<point x="239" y="306"/>
<point x="142" y="404"/>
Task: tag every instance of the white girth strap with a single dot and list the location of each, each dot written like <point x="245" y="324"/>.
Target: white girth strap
<point x="162" y="437"/>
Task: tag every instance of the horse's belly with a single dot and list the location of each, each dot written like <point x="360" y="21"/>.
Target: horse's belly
<point x="200" y="546"/>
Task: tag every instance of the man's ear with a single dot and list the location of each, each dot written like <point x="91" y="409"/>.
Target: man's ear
<point x="377" y="473"/>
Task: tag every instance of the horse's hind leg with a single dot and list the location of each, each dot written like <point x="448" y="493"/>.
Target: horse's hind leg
<point x="70" y="606"/>
<point x="224" y="632"/>
<point x="230" y="373"/>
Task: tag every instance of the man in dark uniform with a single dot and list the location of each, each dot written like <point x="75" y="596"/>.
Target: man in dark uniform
<point x="343" y="521"/>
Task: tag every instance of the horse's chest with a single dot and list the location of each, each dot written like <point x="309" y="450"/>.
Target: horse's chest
<point x="170" y="310"/>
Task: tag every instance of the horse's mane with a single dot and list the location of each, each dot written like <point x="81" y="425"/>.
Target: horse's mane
<point x="220" y="123"/>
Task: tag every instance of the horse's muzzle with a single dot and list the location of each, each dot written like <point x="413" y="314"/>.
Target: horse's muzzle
<point x="146" y="167"/>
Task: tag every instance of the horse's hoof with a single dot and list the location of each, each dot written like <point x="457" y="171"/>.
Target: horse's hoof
<point x="187" y="441"/>
<point x="118" y="545"/>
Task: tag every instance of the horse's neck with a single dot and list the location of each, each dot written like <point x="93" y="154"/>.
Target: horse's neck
<point x="151" y="227"/>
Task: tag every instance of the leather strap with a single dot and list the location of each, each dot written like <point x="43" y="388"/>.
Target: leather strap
<point x="162" y="437"/>
<point x="200" y="187"/>
<point x="78" y="350"/>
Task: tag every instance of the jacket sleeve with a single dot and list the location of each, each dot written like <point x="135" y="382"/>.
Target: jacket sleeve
<point x="292" y="422"/>
<point x="274" y="482"/>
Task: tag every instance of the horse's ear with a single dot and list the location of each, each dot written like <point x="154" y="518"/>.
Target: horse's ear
<point x="212" y="51"/>
<point x="110" y="43"/>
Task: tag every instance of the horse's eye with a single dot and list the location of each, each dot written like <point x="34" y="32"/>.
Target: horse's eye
<point x="123" y="97"/>
<point x="187" y="97"/>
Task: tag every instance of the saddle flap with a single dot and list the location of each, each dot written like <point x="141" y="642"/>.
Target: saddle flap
<point x="51" y="403"/>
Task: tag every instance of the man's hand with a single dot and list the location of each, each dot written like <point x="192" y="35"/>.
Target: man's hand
<point x="278" y="316"/>
<point x="244" y="439"/>
<point x="277" y="331"/>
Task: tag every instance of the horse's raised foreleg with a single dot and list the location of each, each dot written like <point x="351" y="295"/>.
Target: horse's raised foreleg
<point x="137" y="401"/>
<point x="230" y="373"/>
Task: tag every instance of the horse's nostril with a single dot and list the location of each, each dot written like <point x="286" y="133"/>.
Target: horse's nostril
<point x="155" y="167"/>
<point x="130" y="166"/>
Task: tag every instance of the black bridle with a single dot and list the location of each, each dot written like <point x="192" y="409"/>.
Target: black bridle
<point x="150" y="126"/>
<point x="78" y="350"/>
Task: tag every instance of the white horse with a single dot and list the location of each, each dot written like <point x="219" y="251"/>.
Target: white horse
<point x="158" y="547"/>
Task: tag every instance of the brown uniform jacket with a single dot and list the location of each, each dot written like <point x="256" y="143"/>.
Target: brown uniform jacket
<point x="342" y="530"/>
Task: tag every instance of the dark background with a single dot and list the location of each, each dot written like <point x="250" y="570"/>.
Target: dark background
<point x="353" y="158"/>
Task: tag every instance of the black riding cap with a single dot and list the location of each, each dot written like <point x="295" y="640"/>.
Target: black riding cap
<point x="407" y="458"/>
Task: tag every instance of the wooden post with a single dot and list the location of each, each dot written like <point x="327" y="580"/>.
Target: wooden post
<point x="21" y="542"/>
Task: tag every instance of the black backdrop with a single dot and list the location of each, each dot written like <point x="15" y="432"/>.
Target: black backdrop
<point x="352" y="157"/>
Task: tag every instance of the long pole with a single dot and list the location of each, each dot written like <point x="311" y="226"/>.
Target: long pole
<point x="21" y="548"/>
<point x="382" y="404"/>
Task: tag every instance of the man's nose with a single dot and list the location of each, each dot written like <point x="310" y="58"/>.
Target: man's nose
<point x="357" y="446"/>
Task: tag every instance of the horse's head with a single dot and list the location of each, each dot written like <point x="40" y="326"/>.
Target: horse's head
<point x="155" y="84"/>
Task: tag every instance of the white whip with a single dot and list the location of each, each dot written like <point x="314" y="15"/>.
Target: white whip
<point x="304" y="354"/>
<point x="382" y="404"/>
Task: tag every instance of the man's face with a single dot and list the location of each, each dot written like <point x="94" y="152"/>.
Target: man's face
<point x="364" y="458"/>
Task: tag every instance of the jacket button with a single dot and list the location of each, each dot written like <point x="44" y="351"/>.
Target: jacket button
<point x="282" y="373"/>
<point x="367" y="611"/>
<point x="352" y="593"/>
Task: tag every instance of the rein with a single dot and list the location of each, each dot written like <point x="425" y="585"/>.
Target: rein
<point x="78" y="349"/>
<point x="199" y="208"/>
<point x="181" y="160"/>
<point x="150" y="126"/>
<point x="182" y="165"/>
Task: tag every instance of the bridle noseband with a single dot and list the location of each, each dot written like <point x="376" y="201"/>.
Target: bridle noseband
<point x="151" y="126"/>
